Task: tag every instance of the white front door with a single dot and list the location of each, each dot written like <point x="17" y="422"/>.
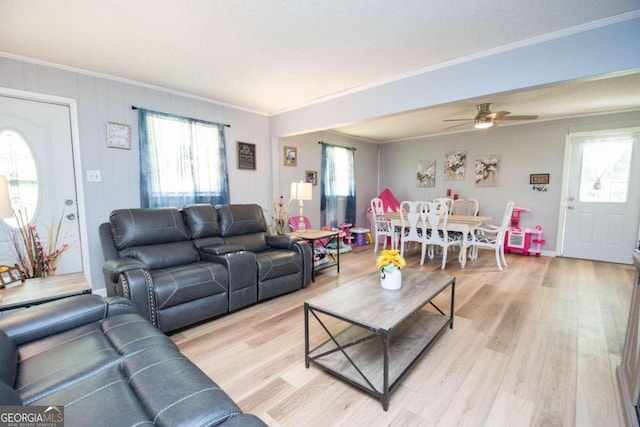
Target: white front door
<point x="603" y="196"/>
<point x="45" y="130"/>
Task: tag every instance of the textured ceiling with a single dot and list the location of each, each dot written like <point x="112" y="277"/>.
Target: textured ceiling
<point x="272" y="56"/>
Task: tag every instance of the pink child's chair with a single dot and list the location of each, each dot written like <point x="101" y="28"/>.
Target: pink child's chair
<point x="294" y="220"/>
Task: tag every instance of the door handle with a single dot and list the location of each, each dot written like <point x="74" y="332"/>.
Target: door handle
<point x="569" y="207"/>
<point x="571" y="199"/>
<point x="71" y="216"/>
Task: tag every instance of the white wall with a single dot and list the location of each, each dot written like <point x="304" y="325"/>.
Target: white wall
<point x="523" y="150"/>
<point x="101" y="100"/>
<point x="545" y="61"/>
<point x="309" y="158"/>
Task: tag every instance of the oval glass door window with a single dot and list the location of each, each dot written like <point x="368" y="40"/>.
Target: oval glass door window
<point x="18" y="165"/>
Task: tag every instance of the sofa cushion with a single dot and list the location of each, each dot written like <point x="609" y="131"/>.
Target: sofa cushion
<point x="153" y="387"/>
<point x="241" y="220"/>
<point x="277" y="263"/>
<point x="180" y="284"/>
<point x="139" y="227"/>
<point x="8" y="360"/>
<point x="201" y="220"/>
<point x="163" y="255"/>
<point x="8" y="396"/>
<point x="61" y="359"/>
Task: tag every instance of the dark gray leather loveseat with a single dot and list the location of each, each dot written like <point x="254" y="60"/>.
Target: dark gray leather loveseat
<point x="184" y="266"/>
<point x="107" y="366"/>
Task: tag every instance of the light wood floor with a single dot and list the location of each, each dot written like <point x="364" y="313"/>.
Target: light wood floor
<point x="535" y="345"/>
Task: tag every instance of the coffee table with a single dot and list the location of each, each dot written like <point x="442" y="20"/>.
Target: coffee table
<point x="380" y="334"/>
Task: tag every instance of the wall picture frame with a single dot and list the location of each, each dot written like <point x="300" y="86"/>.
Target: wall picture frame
<point x="118" y="136"/>
<point x="539" y="178"/>
<point x="290" y="156"/>
<point x="312" y="177"/>
<point x="246" y="155"/>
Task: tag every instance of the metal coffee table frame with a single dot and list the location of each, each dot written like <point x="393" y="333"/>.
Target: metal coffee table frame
<point x="353" y="354"/>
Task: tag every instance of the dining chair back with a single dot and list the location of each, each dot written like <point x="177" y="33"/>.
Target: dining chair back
<point x="492" y="237"/>
<point x="382" y="227"/>
<point x="467" y="207"/>
<point x="412" y="224"/>
<point x="447" y="201"/>
<point x="435" y="216"/>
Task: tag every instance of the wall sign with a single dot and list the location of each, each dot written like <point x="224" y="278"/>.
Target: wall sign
<point x="246" y="156"/>
<point x="118" y="136"/>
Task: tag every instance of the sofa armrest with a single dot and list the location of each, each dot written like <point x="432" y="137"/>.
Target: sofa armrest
<point x="115" y="267"/>
<point x="222" y="249"/>
<point x="39" y="321"/>
<point x="294" y="243"/>
<point x="137" y="286"/>
<point x="282" y="241"/>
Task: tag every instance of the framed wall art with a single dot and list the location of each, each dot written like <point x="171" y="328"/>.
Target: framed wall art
<point x="539" y="178"/>
<point x="488" y="171"/>
<point x="426" y="175"/>
<point x="455" y="163"/>
<point x="290" y="156"/>
<point x="312" y="177"/>
<point x="118" y="136"/>
<point x="246" y="156"/>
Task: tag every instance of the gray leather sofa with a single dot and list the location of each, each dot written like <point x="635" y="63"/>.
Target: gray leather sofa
<point x="107" y="366"/>
<point x="180" y="267"/>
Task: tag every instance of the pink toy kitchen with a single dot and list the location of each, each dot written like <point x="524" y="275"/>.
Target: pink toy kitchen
<point x="523" y="239"/>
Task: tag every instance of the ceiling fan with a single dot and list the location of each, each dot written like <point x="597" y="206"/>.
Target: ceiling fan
<point x="486" y="119"/>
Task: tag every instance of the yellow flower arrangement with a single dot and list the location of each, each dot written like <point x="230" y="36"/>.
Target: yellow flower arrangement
<point x="390" y="259"/>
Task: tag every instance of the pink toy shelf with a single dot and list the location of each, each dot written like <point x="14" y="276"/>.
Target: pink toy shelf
<point x="523" y="240"/>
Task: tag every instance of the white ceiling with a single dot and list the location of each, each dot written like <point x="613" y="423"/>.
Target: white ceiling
<point x="277" y="55"/>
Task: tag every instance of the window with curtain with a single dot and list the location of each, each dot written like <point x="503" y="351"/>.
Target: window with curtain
<point x="182" y="161"/>
<point x="338" y="187"/>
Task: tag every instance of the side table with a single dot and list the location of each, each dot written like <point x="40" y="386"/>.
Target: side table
<point x="313" y="236"/>
<point x="43" y="289"/>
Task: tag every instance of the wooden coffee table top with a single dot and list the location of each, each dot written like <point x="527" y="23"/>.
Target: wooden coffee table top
<point x="35" y="291"/>
<point x="365" y="302"/>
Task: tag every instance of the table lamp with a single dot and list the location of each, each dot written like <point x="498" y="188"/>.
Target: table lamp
<point x="301" y="191"/>
<point x="6" y="210"/>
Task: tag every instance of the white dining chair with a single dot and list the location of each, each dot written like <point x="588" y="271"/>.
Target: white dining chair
<point x="491" y="237"/>
<point x="412" y="226"/>
<point x="448" y="202"/>
<point x="466" y="207"/>
<point x="435" y="217"/>
<point x="382" y="227"/>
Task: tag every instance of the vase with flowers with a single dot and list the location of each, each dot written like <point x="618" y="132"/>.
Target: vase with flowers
<point x="280" y="215"/>
<point x="37" y="257"/>
<point x="390" y="263"/>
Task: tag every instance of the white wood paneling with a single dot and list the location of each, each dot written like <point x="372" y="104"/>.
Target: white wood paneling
<point x="101" y="100"/>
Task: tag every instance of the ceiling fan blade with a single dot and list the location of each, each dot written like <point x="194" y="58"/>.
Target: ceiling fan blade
<point x="497" y="115"/>
<point x="461" y="124"/>
<point x="456" y="120"/>
<point x="519" y="118"/>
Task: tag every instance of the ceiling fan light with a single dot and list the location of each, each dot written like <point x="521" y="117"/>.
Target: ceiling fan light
<point x="483" y="123"/>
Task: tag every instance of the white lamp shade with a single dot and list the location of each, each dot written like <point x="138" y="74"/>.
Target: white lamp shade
<point x="6" y="210"/>
<point x="301" y="190"/>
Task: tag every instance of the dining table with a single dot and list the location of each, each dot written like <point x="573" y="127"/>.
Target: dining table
<point x="465" y="224"/>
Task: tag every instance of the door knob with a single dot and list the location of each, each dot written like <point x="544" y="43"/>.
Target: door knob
<point x="569" y="207"/>
<point x="71" y="216"/>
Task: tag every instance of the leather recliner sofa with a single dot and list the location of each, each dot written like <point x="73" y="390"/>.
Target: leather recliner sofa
<point x="107" y="366"/>
<point x="180" y="267"/>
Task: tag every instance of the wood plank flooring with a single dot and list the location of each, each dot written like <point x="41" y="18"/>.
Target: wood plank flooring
<point x="535" y="345"/>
